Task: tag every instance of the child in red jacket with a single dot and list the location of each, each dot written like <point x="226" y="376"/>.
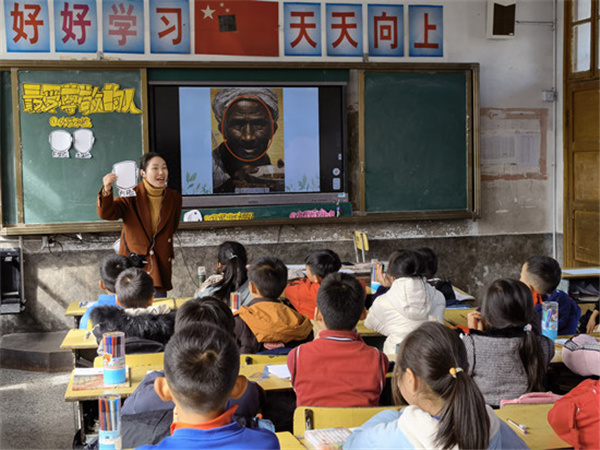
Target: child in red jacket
<point x="302" y="293"/>
<point x="338" y="368"/>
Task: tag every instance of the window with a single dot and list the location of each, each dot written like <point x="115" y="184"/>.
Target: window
<point x="583" y="46"/>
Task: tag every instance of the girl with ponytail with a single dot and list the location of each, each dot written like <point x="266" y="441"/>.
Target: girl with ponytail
<point x="507" y="355"/>
<point x="446" y="409"/>
<point x="231" y="276"/>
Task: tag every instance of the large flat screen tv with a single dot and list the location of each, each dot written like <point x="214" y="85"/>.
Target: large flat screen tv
<point x="243" y="144"/>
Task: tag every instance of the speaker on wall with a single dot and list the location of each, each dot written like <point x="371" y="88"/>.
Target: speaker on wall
<point x="501" y="19"/>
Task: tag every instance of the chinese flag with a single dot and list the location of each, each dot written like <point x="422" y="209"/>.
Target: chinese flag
<point x="238" y="27"/>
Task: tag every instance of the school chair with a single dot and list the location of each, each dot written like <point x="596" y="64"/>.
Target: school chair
<point x="248" y="359"/>
<point x="318" y="417"/>
<point x="361" y="242"/>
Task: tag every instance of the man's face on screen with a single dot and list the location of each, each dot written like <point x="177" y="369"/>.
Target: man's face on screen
<point x="248" y="128"/>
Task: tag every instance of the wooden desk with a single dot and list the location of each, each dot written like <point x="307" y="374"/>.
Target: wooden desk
<point x="76" y="340"/>
<point x="139" y="360"/>
<point x="457" y="316"/>
<point x="136" y="375"/>
<point x="364" y="331"/>
<point x="581" y="272"/>
<point x="254" y="372"/>
<point x="540" y="434"/>
<point x="287" y="441"/>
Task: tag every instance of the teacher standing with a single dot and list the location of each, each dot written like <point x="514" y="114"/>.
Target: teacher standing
<point x="149" y="219"/>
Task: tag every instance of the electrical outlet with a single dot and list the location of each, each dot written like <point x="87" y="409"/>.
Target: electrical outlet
<point x="548" y="95"/>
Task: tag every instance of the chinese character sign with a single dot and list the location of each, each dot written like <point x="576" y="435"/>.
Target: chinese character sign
<point x="344" y="30"/>
<point x="73" y="97"/>
<point x="426" y="30"/>
<point x="302" y="29"/>
<point x="27" y="26"/>
<point x="75" y="26"/>
<point x="169" y="26"/>
<point x="123" y="26"/>
<point x="386" y="30"/>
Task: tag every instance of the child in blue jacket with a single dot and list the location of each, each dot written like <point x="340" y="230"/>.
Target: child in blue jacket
<point x="446" y="408"/>
<point x="542" y="274"/>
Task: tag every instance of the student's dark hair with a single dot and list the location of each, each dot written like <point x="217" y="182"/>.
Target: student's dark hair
<point x="544" y="273"/>
<point x="341" y="300"/>
<point x="405" y="263"/>
<point x="323" y="262"/>
<point x="144" y="160"/>
<point x="134" y="288"/>
<point x="201" y="367"/>
<point x="110" y="269"/>
<point x="233" y="259"/>
<point x="429" y="260"/>
<point x="205" y="310"/>
<point x="269" y="274"/>
<point x="509" y="304"/>
<point x="433" y="352"/>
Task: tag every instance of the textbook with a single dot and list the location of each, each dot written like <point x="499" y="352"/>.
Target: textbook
<point x="85" y="378"/>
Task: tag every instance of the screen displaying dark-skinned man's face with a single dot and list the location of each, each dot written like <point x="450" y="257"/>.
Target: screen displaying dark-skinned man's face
<point x="248" y="128"/>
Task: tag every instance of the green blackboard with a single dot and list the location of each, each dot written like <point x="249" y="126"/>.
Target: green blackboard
<point x="7" y="161"/>
<point x="63" y="190"/>
<point x="417" y="146"/>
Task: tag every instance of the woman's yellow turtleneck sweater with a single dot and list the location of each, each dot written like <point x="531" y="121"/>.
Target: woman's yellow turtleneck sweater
<point x="155" y="195"/>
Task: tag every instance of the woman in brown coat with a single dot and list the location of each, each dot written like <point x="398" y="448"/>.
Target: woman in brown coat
<point x="149" y="219"/>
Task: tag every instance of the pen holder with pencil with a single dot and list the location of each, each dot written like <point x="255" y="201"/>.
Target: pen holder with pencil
<point x="109" y="435"/>
<point x="234" y="301"/>
<point x="375" y="266"/>
<point x="113" y="358"/>
<point x="550" y="320"/>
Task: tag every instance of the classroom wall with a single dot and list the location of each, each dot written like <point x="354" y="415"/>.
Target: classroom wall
<point x="521" y="204"/>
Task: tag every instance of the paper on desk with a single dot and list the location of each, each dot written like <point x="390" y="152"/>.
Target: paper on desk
<point x="461" y="296"/>
<point x="279" y="370"/>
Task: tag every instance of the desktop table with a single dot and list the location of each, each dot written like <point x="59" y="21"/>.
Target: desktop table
<point x="255" y="372"/>
<point x="540" y="434"/>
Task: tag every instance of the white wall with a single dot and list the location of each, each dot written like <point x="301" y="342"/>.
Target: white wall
<point x="514" y="72"/>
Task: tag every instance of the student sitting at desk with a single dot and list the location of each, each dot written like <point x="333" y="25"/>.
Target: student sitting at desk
<point x="542" y="274"/>
<point x="508" y="356"/>
<point x="110" y="269"/>
<point x="592" y="326"/>
<point x="267" y="323"/>
<point x="410" y="301"/>
<point x="202" y="367"/>
<point x="231" y="275"/>
<point x="446" y="409"/>
<point x="147" y="418"/>
<point x="320" y="369"/>
<point x="429" y="266"/>
<point x="147" y="327"/>
<point x="302" y="293"/>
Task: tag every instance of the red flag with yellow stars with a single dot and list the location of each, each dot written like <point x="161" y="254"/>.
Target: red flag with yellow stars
<point x="238" y="27"/>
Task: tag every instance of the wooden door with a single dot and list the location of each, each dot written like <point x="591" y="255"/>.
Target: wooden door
<point x="581" y="135"/>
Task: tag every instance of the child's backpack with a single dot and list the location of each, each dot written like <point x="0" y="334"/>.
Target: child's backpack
<point x="581" y="354"/>
<point x="576" y="416"/>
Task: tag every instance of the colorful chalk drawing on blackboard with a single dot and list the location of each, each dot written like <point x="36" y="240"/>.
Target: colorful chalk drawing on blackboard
<point x="127" y="173"/>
